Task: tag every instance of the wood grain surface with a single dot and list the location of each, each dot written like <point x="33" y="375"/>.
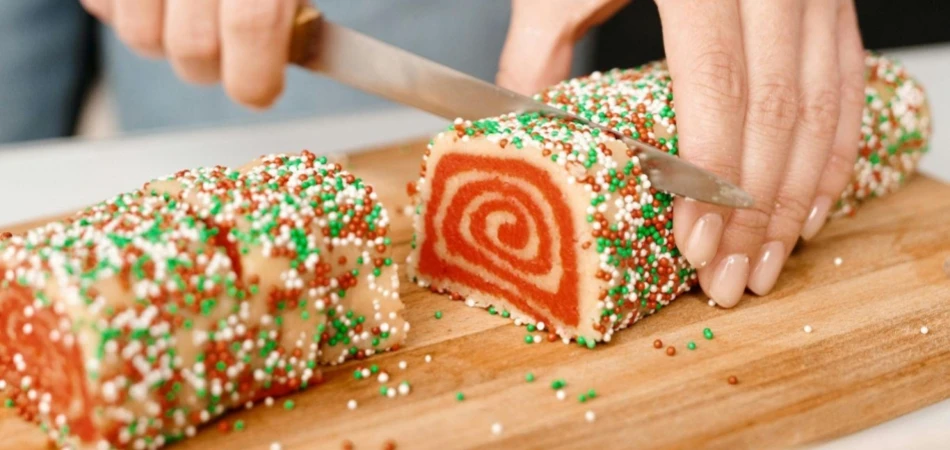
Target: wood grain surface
<point x="866" y="360"/>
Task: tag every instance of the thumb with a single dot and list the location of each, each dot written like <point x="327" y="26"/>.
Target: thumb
<point x="541" y="37"/>
<point x="538" y="49"/>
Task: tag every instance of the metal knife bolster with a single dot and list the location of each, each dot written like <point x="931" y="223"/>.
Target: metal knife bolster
<point x="367" y="64"/>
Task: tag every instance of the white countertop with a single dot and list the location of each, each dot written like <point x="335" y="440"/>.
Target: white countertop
<point x="50" y="177"/>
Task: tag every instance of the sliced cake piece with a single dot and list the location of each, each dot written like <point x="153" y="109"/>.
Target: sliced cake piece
<point x="138" y="320"/>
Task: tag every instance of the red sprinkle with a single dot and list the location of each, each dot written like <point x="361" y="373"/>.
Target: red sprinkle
<point x="657" y="344"/>
<point x="670" y="351"/>
<point x="733" y="380"/>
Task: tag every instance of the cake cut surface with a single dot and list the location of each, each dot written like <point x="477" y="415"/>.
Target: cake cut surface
<point x="139" y="319"/>
<point x="556" y="225"/>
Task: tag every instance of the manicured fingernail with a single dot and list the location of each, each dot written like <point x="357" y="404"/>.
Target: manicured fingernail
<point x="704" y="240"/>
<point x="729" y="281"/>
<point x="767" y="268"/>
<point x="816" y="217"/>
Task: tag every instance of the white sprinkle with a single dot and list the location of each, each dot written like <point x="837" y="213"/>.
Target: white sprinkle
<point x="276" y="446"/>
<point x="808" y="328"/>
<point x="924" y="330"/>
<point x="366" y="373"/>
<point x="390" y="392"/>
<point x="402" y="365"/>
<point x="560" y="394"/>
<point x="537" y="338"/>
<point x="590" y="416"/>
<point x="496" y="428"/>
<point x="27" y="328"/>
<point x="711" y="302"/>
<point x="838" y="261"/>
<point x="269" y="401"/>
<point x="351" y="404"/>
<point x="383" y="377"/>
<point x="428" y="358"/>
<point x="404" y="388"/>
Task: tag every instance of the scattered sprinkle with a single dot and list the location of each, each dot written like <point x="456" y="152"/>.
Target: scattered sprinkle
<point x="438" y="314"/>
<point x="428" y="358"/>
<point x="670" y="351"/>
<point x="711" y="302"/>
<point x="239" y="425"/>
<point x="691" y="345"/>
<point x="404" y="388"/>
<point x="582" y="398"/>
<point x="924" y="330"/>
<point x="733" y="380"/>
<point x="707" y="333"/>
<point x="657" y="344"/>
<point x="496" y="429"/>
<point x="838" y="261"/>
<point x="276" y="446"/>
<point x="808" y="328"/>
<point x="347" y="444"/>
<point x="289" y="405"/>
<point x="403" y="365"/>
<point x="560" y="394"/>
<point x="389" y="445"/>
<point x="460" y="396"/>
<point x="269" y="401"/>
<point x="351" y="404"/>
<point x="558" y="384"/>
<point x="590" y="416"/>
<point x="383" y="377"/>
<point x="529" y="377"/>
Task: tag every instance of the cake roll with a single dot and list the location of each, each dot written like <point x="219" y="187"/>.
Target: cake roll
<point x="555" y="225"/>
<point x="137" y="320"/>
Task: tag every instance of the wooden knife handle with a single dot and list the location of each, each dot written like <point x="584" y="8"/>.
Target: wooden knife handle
<point x="306" y="22"/>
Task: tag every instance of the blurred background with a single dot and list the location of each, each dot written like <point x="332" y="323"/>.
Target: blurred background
<point x="63" y="74"/>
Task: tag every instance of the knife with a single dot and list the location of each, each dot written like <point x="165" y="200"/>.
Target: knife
<point x="359" y="61"/>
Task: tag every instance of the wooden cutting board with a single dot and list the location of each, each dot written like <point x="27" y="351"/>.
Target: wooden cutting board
<point x="866" y="360"/>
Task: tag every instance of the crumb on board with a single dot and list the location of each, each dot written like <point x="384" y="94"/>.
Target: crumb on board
<point x="496" y="429"/>
<point x="732" y="379"/>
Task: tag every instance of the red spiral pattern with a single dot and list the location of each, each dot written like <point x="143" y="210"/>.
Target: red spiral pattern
<point x="488" y="260"/>
<point x="53" y="367"/>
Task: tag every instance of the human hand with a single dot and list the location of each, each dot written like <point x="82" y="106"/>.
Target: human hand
<point x="244" y="44"/>
<point x="768" y="96"/>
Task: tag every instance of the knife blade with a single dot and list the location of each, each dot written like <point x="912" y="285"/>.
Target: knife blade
<point x="362" y="62"/>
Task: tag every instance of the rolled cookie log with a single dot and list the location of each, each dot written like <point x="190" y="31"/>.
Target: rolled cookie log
<point x="138" y="320"/>
<point x="554" y="224"/>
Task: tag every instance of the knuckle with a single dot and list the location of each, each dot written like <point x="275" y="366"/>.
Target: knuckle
<point x="257" y="93"/>
<point x="852" y="88"/>
<point x="839" y="166"/>
<point x="253" y="17"/>
<point x="750" y="222"/>
<point x="142" y="38"/>
<point x="194" y="42"/>
<point x="791" y="207"/>
<point x="719" y="166"/>
<point x="720" y="79"/>
<point x="820" y="111"/>
<point x="774" y="104"/>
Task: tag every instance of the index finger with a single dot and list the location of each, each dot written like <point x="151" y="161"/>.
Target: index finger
<point x="703" y="41"/>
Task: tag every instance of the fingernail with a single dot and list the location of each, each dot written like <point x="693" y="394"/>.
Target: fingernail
<point x="729" y="280"/>
<point x="816" y="217"/>
<point x="767" y="268"/>
<point x="703" y="240"/>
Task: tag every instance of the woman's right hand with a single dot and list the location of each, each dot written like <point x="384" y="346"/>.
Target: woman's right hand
<point x="243" y="44"/>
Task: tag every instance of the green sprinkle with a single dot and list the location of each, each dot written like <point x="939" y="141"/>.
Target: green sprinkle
<point x="438" y="314"/>
<point x="239" y="425"/>
<point x="558" y="384"/>
<point x="460" y="396"/>
<point x="691" y="345"/>
<point x="708" y="333"/>
<point x="582" y="398"/>
<point x="374" y="368"/>
<point x="9" y="403"/>
<point x="528" y="339"/>
<point x="529" y="377"/>
<point x="591" y="393"/>
<point x="289" y="405"/>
